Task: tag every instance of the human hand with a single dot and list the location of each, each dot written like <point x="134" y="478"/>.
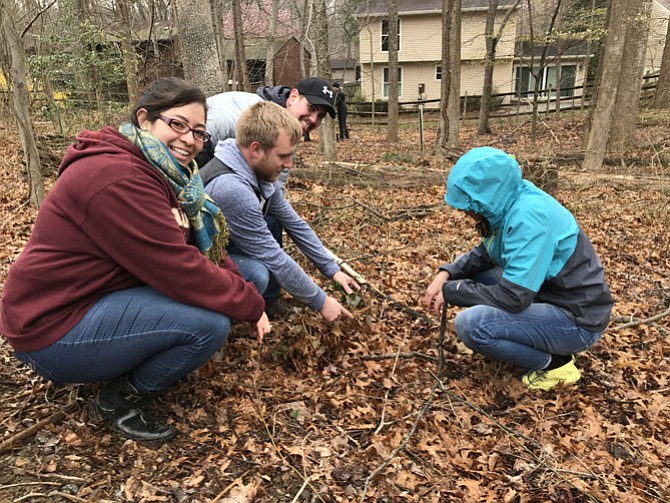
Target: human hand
<point x="434" y="292"/>
<point x="263" y="327"/>
<point x="332" y="310"/>
<point x="346" y="281"/>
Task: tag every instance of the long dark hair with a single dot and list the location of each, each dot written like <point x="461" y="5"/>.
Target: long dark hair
<point x="166" y="93"/>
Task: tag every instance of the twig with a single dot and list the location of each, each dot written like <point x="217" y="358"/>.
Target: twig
<point x="28" y="432"/>
<point x="362" y="281"/>
<point x="637" y="322"/>
<point x="420" y="416"/>
<point x="382" y="423"/>
<point x="412" y="354"/>
<point x="21" y="484"/>
<point x="302" y="488"/>
<point x="229" y="487"/>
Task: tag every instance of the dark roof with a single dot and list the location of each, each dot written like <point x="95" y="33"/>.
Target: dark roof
<point x="573" y="47"/>
<point x="343" y="63"/>
<point x="379" y="7"/>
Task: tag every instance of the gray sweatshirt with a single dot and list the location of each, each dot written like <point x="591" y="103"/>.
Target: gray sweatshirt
<point x="235" y="194"/>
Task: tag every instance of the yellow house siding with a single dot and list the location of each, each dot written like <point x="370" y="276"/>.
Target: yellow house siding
<point x="472" y="79"/>
<point x="657" y="32"/>
<point x="421" y="52"/>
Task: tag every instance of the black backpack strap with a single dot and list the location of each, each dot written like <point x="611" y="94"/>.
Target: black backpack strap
<point x="215" y="167"/>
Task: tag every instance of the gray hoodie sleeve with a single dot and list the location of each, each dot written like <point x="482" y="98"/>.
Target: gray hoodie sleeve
<point x="251" y="235"/>
<point x="302" y="235"/>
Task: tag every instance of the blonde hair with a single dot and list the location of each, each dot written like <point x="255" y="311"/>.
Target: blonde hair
<point x="262" y="122"/>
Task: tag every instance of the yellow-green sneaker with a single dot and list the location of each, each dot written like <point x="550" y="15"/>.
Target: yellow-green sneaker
<point x="548" y="379"/>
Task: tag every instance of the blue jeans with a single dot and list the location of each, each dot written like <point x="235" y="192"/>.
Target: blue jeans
<point x="254" y="271"/>
<point x="526" y="339"/>
<point x="137" y="331"/>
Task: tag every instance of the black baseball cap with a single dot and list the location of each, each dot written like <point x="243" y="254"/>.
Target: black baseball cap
<point x="318" y="92"/>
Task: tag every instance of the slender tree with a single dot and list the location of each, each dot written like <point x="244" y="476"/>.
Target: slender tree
<point x="128" y="51"/>
<point x="323" y="70"/>
<point x="448" y="143"/>
<point x="492" y="40"/>
<point x="627" y="106"/>
<point x="20" y="103"/>
<point x="219" y="37"/>
<point x="241" y="71"/>
<point x="198" y="48"/>
<point x="611" y="63"/>
<point x="392" y="128"/>
<point x="270" y="45"/>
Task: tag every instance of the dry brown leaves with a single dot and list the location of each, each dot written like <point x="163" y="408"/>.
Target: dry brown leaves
<point x="309" y="415"/>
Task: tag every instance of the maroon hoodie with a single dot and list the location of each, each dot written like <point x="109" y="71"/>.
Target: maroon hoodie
<point x="110" y="222"/>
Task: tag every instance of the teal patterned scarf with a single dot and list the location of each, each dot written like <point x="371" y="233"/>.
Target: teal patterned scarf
<point x="206" y="219"/>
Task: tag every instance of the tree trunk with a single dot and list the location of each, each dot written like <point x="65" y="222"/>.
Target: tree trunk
<point x="323" y="70"/>
<point x="392" y="116"/>
<point x="540" y="70"/>
<point x="241" y="72"/>
<point x="20" y="100"/>
<point x="605" y="99"/>
<point x="217" y="26"/>
<point x="198" y="49"/>
<point x="627" y="105"/>
<point x="130" y="63"/>
<point x="448" y="143"/>
<point x="487" y="89"/>
<point x="662" y="97"/>
<point x="270" y="49"/>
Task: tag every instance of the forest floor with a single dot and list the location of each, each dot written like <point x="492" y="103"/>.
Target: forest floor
<point x="371" y="409"/>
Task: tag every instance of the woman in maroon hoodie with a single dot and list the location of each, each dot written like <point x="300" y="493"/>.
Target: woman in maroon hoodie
<point x="125" y="278"/>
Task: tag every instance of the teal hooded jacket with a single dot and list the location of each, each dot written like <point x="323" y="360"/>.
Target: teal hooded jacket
<point x="536" y="242"/>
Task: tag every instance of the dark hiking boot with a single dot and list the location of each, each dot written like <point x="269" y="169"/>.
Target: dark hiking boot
<point x="123" y="409"/>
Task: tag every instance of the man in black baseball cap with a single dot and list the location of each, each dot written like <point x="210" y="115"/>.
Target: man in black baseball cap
<point x="319" y="93"/>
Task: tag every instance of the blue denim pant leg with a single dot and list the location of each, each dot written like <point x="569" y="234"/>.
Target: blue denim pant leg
<point x="273" y="291"/>
<point x="252" y="270"/>
<point x="526" y="339"/>
<point x="137" y="331"/>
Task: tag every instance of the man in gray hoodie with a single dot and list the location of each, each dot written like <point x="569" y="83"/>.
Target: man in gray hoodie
<point x="246" y="188"/>
<point x="309" y="102"/>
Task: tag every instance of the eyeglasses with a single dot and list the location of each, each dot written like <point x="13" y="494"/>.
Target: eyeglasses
<point x="181" y="127"/>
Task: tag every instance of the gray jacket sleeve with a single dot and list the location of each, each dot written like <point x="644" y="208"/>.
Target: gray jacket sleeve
<point x="302" y="235"/>
<point x="251" y="235"/>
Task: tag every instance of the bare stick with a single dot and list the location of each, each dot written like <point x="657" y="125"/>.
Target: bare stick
<point x="28" y="432"/>
<point x="635" y="323"/>
<point x="422" y="412"/>
<point x="412" y="354"/>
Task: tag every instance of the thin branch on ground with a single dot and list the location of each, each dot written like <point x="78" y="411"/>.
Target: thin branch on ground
<point x="29" y="432"/>
<point x="636" y="322"/>
<point x="412" y="354"/>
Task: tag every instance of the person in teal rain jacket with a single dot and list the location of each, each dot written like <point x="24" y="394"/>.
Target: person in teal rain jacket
<point x="534" y="287"/>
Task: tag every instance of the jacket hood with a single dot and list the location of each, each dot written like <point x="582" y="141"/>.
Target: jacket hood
<point x="276" y="94"/>
<point x="87" y="143"/>
<point x="485" y="180"/>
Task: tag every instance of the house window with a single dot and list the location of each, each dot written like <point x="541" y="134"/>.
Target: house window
<point x="525" y="81"/>
<point x="385" y="36"/>
<point x="386" y="82"/>
<point x="438" y="72"/>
